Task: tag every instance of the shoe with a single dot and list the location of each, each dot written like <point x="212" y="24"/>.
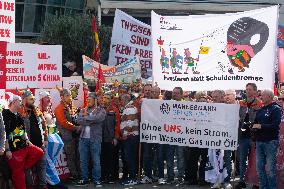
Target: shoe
<point x="82" y="183"/>
<point x="180" y="181"/>
<point x="130" y="182"/>
<point x="146" y="180"/>
<point x="161" y="181"/>
<point x="57" y="186"/>
<point x="170" y="181"/>
<point x="241" y="184"/>
<point x="98" y="184"/>
<point x="228" y="186"/>
<point x="216" y="186"/>
<point x="111" y="182"/>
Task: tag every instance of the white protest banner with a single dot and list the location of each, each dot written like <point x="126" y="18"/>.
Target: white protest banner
<point x="192" y="53"/>
<point x="126" y="72"/>
<point x="7" y="20"/>
<point x="75" y="85"/>
<point x="131" y="37"/>
<point x="54" y="95"/>
<point x="35" y="66"/>
<point x="202" y="125"/>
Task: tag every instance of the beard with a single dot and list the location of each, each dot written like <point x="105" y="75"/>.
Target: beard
<point x="30" y="106"/>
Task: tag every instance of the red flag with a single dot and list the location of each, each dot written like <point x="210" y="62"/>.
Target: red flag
<point x="96" y="48"/>
<point x="100" y="79"/>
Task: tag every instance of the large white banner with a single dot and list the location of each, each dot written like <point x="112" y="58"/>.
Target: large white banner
<point x="35" y="66"/>
<point x="7" y="20"/>
<point x="209" y="52"/>
<point x="202" y="125"/>
<point x="130" y="38"/>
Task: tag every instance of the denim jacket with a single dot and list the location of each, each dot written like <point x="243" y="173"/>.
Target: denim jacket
<point x="94" y="120"/>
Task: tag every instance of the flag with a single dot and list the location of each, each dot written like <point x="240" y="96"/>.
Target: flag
<point x="96" y="50"/>
<point x="100" y="80"/>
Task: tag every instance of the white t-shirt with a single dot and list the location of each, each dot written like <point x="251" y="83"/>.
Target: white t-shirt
<point x="86" y="132"/>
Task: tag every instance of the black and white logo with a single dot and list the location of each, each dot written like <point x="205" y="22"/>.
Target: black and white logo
<point x="165" y="108"/>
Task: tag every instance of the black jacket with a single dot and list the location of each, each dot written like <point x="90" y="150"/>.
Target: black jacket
<point x="109" y="127"/>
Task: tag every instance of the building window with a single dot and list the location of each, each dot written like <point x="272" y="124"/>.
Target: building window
<point x="19" y="17"/>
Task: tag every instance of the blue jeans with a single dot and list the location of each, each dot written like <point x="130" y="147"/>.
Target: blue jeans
<point x="244" y="148"/>
<point x="266" y="155"/>
<point x="170" y="149"/>
<point x="148" y="158"/>
<point x="161" y="151"/>
<point x="228" y="163"/>
<point x="88" y="148"/>
<point x="130" y="150"/>
<point x="180" y="151"/>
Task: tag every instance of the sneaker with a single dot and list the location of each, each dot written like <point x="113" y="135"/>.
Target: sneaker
<point x="98" y="184"/>
<point x="130" y="182"/>
<point x="241" y="184"/>
<point x="82" y="183"/>
<point x="146" y="180"/>
<point x="161" y="181"/>
<point x="228" y="186"/>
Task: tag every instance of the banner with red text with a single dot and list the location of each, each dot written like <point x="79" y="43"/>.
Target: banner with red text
<point x="7" y="20"/>
<point x="35" y="66"/>
<point x="192" y="53"/>
<point x="131" y="37"/>
<point x="126" y="72"/>
<point x="194" y="124"/>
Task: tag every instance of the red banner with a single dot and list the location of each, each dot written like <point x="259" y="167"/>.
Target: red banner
<point x="3" y="50"/>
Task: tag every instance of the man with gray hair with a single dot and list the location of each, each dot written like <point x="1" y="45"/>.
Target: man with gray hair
<point x="266" y="129"/>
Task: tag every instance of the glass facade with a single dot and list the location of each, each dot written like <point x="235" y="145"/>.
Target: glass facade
<point x="31" y="14"/>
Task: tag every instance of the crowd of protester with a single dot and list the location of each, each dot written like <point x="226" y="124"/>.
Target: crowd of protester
<point x="96" y="137"/>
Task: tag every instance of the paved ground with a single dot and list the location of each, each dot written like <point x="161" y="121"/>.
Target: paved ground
<point x="142" y="186"/>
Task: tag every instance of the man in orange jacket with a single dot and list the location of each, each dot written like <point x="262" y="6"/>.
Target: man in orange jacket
<point x="65" y="114"/>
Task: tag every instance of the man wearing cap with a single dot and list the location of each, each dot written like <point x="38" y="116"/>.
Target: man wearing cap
<point x="55" y="143"/>
<point x="20" y="152"/>
<point x="91" y="120"/>
<point x="36" y="130"/>
<point x="65" y="113"/>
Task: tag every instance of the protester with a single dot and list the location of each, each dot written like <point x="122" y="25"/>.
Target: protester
<point x="248" y="109"/>
<point x="130" y="135"/>
<point x="4" y="168"/>
<point x="111" y="135"/>
<point x="37" y="132"/>
<point x="179" y="150"/>
<point x="55" y="143"/>
<point x="91" y="121"/>
<point x="148" y="148"/>
<point x="65" y="114"/>
<point x="266" y="129"/>
<point x="224" y="156"/>
<point x="162" y="152"/>
<point x="2" y="136"/>
<point x="69" y="69"/>
<point x="194" y="154"/>
<point x="20" y="152"/>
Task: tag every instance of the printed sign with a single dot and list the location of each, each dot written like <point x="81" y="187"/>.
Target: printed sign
<point x="75" y="85"/>
<point x="7" y="20"/>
